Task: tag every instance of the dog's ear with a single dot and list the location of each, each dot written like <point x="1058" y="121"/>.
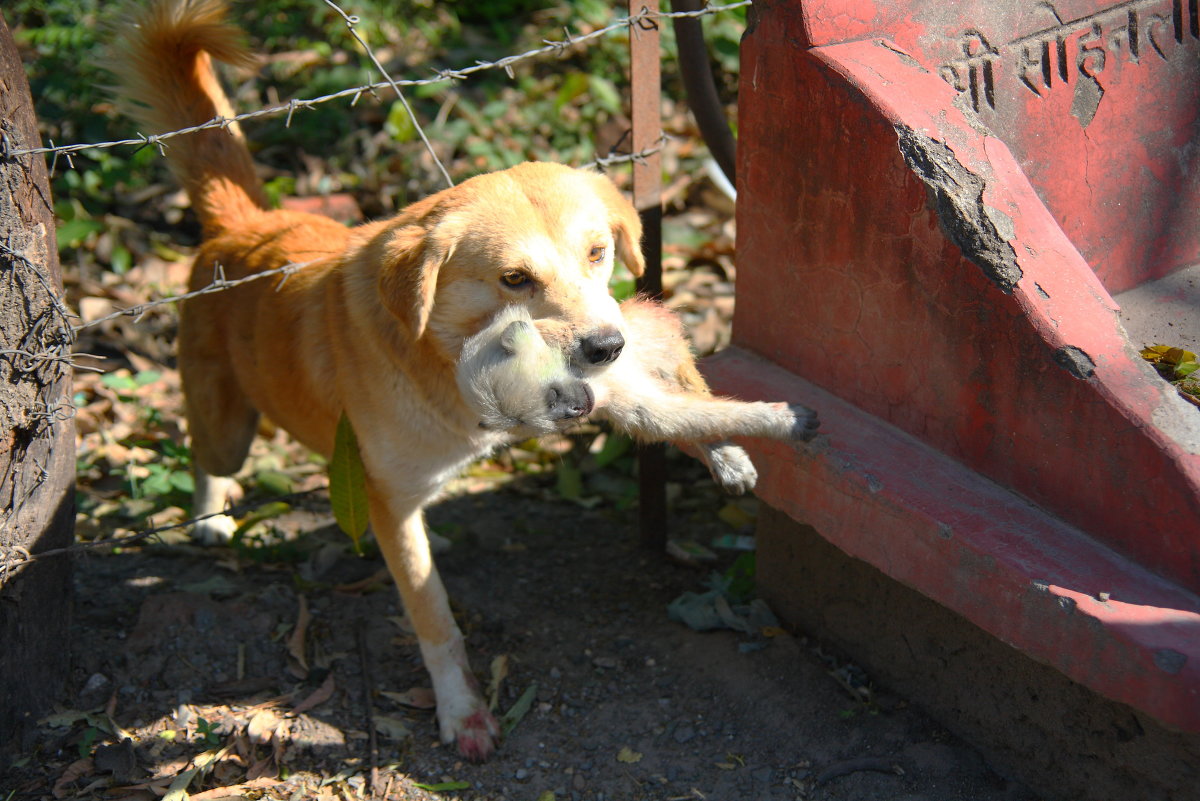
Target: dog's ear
<point x="626" y="225"/>
<point x="627" y="231"/>
<point x="408" y="276"/>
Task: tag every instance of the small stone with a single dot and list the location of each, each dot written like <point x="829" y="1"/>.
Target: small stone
<point x="684" y="734"/>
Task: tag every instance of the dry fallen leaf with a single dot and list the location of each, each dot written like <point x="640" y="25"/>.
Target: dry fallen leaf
<point x="234" y="791"/>
<point x="499" y="674"/>
<point x="262" y="726"/>
<point x="415" y="697"/>
<point x="392" y="728"/>
<point x="318" y="697"/>
<point x="296" y="641"/>
<point x="628" y="756"/>
<point x="76" y="770"/>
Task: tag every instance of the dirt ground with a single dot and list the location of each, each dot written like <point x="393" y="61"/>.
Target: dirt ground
<point x="274" y="673"/>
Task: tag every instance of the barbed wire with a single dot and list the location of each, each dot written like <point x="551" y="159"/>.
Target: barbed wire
<point x="56" y="354"/>
<point x="351" y="23"/>
<point x="355" y="92"/>
<point x="14" y="558"/>
<point x="219" y="283"/>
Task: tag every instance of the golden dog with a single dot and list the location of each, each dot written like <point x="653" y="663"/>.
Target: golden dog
<point x="373" y="323"/>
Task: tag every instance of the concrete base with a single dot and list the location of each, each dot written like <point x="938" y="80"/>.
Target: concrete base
<point x="1032" y="722"/>
<point x="1164" y="312"/>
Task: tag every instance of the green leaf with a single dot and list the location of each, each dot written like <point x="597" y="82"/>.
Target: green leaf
<point x="572" y="87"/>
<point x="348" y="482"/>
<point x="399" y="124"/>
<point x="1184" y="369"/>
<point x="264" y="512"/>
<point x="274" y="482"/>
<point x="569" y="480"/>
<point x="119" y="381"/>
<point x="121" y="260"/>
<point x="605" y="93"/>
<point x="443" y="786"/>
<point x="75" y="231"/>
<point x="615" y="446"/>
<point x="518" y="710"/>
<point x="182" y="480"/>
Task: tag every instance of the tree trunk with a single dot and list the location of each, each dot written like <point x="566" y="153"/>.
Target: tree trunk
<point x="37" y="443"/>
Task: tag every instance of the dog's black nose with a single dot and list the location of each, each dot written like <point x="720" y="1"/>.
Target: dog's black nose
<point x="603" y="346"/>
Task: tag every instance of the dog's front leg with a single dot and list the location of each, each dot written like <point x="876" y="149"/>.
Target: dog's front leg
<point x="463" y="715"/>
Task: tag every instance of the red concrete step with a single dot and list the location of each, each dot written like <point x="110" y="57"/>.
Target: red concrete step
<point x="1011" y="568"/>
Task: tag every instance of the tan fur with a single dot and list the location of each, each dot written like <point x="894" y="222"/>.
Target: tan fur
<point x="372" y="324"/>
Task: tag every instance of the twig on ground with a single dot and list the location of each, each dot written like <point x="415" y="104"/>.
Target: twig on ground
<point x="368" y="692"/>
<point x="873" y="764"/>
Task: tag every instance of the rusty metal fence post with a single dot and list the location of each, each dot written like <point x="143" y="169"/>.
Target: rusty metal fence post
<point x="645" y="80"/>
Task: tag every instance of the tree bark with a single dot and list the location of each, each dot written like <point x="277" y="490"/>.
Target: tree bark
<point x="37" y="443"/>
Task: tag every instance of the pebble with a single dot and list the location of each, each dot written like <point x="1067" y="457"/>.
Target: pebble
<point x="684" y="734"/>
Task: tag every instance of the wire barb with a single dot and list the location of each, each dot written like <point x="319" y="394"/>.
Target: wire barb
<point x="440" y="76"/>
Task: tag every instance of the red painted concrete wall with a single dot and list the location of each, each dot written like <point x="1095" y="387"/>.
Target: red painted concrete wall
<point x="862" y="182"/>
<point x="1098" y="102"/>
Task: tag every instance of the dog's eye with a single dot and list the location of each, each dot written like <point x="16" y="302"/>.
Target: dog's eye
<point x="596" y="254"/>
<point x="515" y="278"/>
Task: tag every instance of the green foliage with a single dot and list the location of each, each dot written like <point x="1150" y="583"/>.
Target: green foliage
<point x="206" y="732"/>
<point x="348" y="483"/>
<point x="553" y="107"/>
<point x="1177" y="365"/>
<point x="739" y="579"/>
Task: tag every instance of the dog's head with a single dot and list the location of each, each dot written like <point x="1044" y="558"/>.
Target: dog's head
<point x="515" y="381"/>
<point x="541" y="236"/>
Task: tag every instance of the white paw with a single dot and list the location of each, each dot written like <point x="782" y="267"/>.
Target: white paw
<point x="732" y="469"/>
<point x="476" y="731"/>
<point x="217" y="530"/>
<point x="463" y="715"/>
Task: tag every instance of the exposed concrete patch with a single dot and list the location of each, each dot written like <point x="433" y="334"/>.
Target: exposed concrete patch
<point x="1086" y="102"/>
<point x="1177" y="418"/>
<point x="957" y="195"/>
<point x="1075" y="362"/>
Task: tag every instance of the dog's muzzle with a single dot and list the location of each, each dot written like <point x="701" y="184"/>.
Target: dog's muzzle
<point x="603" y="346"/>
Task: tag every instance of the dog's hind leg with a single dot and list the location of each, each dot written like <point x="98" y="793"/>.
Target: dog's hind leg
<point x="463" y="715"/>
<point x="222" y="424"/>
<point x="208" y="504"/>
<point x="221" y="432"/>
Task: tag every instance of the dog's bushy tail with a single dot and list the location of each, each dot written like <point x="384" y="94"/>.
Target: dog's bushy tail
<point x="162" y="53"/>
